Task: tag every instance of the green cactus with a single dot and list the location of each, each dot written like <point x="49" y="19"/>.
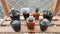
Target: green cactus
<point x="13" y="11"/>
<point x="45" y="22"/>
<point x="30" y="19"/>
<point x="37" y="9"/>
<point x="47" y="12"/>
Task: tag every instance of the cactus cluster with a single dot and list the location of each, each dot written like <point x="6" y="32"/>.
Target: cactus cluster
<point x="47" y="12"/>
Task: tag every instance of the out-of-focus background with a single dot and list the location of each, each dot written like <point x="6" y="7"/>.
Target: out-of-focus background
<point x="32" y="4"/>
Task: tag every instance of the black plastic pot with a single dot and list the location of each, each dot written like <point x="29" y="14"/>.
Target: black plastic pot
<point x="26" y="16"/>
<point x="16" y="27"/>
<point x="43" y="28"/>
<point x="48" y="17"/>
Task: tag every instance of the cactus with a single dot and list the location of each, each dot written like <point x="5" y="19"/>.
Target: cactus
<point x="37" y="9"/>
<point x="13" y="11"/>
<point x="47" y="12"/>
<point x="16" y="25"/>
<point x="45" y="22"/>
<point x="31" y="19"/>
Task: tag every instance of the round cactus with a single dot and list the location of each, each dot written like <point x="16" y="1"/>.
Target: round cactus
<point x="25" y="10"/>
<point x="37" y="9"/>
<point x="45" y="22"/>
<point x="31" y="19"/>
<point x="13" y="11"/>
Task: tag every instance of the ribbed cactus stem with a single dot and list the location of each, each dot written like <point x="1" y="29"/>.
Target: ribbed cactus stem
<point x="13" y="11"/>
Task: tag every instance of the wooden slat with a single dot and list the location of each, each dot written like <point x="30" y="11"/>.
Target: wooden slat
<point x="24" y="29"/>
<point x="40" y="17"/>
<point x="5" y="6"/>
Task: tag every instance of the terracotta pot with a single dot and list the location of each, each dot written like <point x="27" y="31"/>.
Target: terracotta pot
<point x="48" y="17"/>
<point x="36" y="16"/>
<point x="30" y="25"/>
<point x="43" y="28"/>
<point x="26" y="16"/>
<point x="16" y="27"/>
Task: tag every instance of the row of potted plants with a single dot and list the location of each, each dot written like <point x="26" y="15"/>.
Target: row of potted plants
<point x="30" y="20"/>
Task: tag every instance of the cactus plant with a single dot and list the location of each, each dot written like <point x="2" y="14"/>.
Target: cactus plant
<point x="26" y="12"/>
<point x="14" y="14"/>
<point x="30" y="23"/>
<point x="36" y="15"/>
<point x="44" y="23"/>
<point x="48" y="14"/>
<point x="16" y="25"/>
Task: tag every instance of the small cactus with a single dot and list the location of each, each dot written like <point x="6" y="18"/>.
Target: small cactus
<point x="15" y="22"/>
<point x="45" y="22"/>
<point x="31" y="19"/>
<point x="47" y="12"/>
<point x="37" y="9"/>
<point x="13" y="11"/>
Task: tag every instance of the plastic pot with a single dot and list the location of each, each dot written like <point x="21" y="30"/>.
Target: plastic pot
<point x="30" y="25"/>
<point x="26" y="16"/>
<point x="17" y="17"/>
<point x="48" y="17"/>
<point x="16" y="27"/>
<point x="36" y="16"/>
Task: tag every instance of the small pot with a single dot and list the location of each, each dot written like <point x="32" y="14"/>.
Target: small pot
<point x="48" y="17"/>
<point x="16" y="27"/>
<point x="17" y="17"/>
<point x="30" y="25"/>
<point x="36" y="16"/>
<point x="26" y="16"/>
<point x="43" y="28"/>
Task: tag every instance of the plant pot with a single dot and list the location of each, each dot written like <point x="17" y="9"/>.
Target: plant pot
<point x="30" y="25"/>
<point x="17" y="17"/>
<point x="16" y="27"/>
<point x="48" y="17"/>
<point x="36" y="16"/>
<point x="43" y="28"/>
<point x="26" y="16"/>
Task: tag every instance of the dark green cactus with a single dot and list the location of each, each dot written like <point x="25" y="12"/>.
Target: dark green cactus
<point x="13" y="11"/>
<point x="37" y="9"/>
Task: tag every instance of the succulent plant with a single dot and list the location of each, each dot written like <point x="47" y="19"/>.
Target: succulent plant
<point x="45" y="22"/>
<point x="25" y="10"/>
<point x="15" y="23"/>
<point x="31" y="19"/>
<point x="13" y="11"/>
<point x="47" y="12"/>
<point x="37" y="9"/>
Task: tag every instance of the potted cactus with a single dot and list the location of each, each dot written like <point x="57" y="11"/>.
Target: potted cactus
<point x="48" y="15"/>
<point x="30" y="23"/>
<point x="14" y="15"/>
<point x="26" y="12"/>
<point x="44" y="23"/>
<point x="16" y="25"/>
<point x="36" y="14"/>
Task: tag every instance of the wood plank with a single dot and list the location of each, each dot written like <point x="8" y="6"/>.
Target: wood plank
<point x="40" y="17"/>
<point x="24" y="29"/>
<point x="5" y="6"/>
<point x="5" y="23"/>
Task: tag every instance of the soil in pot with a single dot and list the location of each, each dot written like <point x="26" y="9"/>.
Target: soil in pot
<point x="48" y="17"/>
<point x="36" y="16"/>
<point x="30" y="25"/>
<point x="26" y="16"/>
<point x="43" y="28"/>
<point x="16" y="27"/>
